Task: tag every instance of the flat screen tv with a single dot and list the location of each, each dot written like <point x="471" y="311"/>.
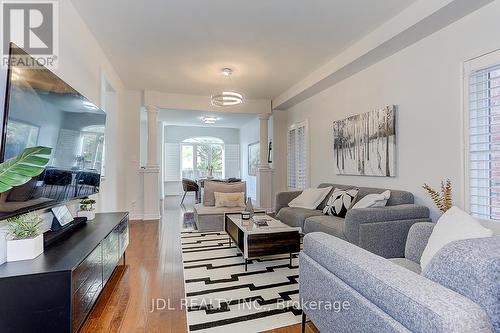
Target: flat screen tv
<point x="43" y="110"/>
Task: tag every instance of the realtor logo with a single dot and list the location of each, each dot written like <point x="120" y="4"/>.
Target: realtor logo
<point x="31" y="25"/>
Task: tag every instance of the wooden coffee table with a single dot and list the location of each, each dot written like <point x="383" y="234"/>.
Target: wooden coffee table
<point x="256" y="242"/>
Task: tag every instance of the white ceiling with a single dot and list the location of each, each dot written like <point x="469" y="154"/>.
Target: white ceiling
<point x="179" y="46"/>
<point x="193" y="118"/>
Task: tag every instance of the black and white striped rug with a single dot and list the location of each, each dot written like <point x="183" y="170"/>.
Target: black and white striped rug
<point x="222" y="297"/>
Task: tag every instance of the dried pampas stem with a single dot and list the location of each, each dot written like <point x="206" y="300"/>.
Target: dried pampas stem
<point x="443" y="198"/>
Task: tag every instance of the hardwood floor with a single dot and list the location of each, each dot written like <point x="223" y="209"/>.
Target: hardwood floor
<point x="153" y="271"/>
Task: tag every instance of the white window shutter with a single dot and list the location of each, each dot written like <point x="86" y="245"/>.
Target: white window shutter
<point x="302" y="157"/>
<point x="298" y="156"/>
<point x="483" y="138"/>
<point x="66" y="148"/>
<point x="291" y="159"/>
<point x="232" y="161"/>
<point x="172" y="162"/>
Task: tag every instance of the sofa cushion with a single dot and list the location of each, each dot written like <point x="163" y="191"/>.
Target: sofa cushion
<point x="211" y="187"/>
<point x="201" y="209"/>
<point x="340" y="202"/>
<point x="295" y="217"/>
<point x="471" y="267"/>
<point x="230" y="199"/>
<point x="397" y="197"/>
<point x="408" y="264"/>
<point x="323" y="203"/>
<point x="373" y="200"/>
<point x="453" y="225"/>
<point x="331" y="225"/>
<point x="310" y="198"/>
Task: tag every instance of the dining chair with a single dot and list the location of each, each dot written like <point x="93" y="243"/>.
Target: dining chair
<point x="189" y="185"/>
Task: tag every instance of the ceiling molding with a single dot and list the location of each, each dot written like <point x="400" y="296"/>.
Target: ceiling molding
<point x="418" y="21"/>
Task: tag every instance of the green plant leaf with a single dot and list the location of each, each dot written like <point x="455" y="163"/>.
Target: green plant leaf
<point x="19" y="170"/>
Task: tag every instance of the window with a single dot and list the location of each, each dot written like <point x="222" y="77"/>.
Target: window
<point x="482" y="86"/>
<point x="92" y="148"/>
<point x="298" y="156"/>
<point x="200" y="155"/>
<point x="20" y="135"/>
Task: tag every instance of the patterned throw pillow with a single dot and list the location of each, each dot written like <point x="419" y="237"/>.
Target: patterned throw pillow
<point x="340" y="202"/>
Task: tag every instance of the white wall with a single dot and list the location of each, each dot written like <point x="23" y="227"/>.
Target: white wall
<point x="425" y="82"/>
<point x="133" y="191"/>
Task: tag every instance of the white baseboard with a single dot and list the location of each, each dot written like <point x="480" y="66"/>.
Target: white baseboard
<point x="145" y="217"/>
<point x="135" y="217"/>
<point x="151" y="217"/>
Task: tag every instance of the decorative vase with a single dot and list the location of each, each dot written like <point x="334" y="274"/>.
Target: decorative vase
<point x="249" y="207"/>
<point x="89" y="214"/>
<point x="24" y="249"/>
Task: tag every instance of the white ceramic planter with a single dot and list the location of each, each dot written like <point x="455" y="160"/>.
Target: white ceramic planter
<point x="24" y="249"/>
<point x="3" y="246"/>
<point x="89" y="214"/>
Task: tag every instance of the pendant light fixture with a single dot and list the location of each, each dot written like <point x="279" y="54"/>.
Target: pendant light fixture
<point x="226" y="98"/>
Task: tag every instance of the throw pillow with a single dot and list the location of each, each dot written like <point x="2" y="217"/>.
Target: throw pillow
<point x="212" y="186"/>
<point x="373" y="200"/>
<point x="310" y="198"/>
<point x="453" y="225"/>
<point x="230" y="200"/>
<point x="340" y="202"/>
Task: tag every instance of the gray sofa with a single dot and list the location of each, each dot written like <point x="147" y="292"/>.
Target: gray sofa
<point x="459" y="290"/>
<point x="380" y="230"/>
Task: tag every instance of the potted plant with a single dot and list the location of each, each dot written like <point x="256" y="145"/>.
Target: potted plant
<point x="25" y="240"/>
<point x="15" y="172"/>
<point x="87" y="209"/>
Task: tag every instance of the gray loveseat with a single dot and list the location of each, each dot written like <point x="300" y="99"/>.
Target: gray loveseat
<point x="380" y="230"/>
<point x="458" y="291"/>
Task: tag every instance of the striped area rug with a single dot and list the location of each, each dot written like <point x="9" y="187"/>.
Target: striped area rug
<point x="222" y="297"/>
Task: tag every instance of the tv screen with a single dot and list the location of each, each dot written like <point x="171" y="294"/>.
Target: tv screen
<point x="43" y="110"/>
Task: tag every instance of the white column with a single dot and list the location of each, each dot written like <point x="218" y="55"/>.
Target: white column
<point x="151" y="172"/>
<point x="264" y="172"/>
<point x="264" y="139"/>
<point x="152" y="112"/>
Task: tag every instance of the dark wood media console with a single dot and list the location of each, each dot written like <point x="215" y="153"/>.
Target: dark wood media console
<point x="56" y="291"/>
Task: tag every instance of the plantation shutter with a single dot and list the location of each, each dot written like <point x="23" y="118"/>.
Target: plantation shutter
<point x="291" y="159"/>
<point x="484" y="142"/>
<point x="172" y="162"/>
<point x="298" y="156"/>
<point x="301" y="158"/>
<point x="232" y="160"/>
